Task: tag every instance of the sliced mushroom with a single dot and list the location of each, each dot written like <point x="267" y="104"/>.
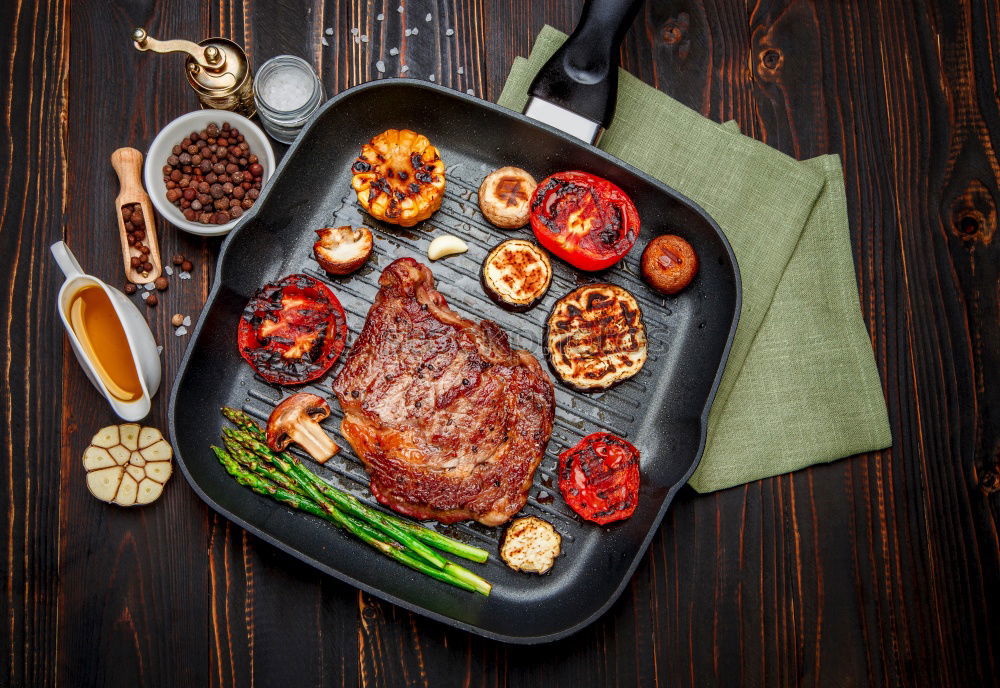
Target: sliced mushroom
<point x="505" y="197"/>
<point x="297" y="419"/>
<point x="530" y="545"/>
<point x="342" y="250"/>
<point x="128" y="464"/>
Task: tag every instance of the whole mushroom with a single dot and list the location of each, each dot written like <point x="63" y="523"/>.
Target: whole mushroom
<point x="342" y="250"/>
<point x="297" y="419"/>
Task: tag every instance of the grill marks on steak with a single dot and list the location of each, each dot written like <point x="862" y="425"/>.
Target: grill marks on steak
<point x="450" y="422"/>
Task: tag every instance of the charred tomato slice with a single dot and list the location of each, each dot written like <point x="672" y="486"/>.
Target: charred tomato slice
<point x="599" y="477"/>
<point x="292" y="330"/>
<point x="584" y="219"/>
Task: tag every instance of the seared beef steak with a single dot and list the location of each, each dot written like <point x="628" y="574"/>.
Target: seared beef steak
<point x="448" y="419"/>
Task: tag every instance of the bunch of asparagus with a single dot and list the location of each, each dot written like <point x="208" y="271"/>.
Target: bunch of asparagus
<point x="281" y="476"/>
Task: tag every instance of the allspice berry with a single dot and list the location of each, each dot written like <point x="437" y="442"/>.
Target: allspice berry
<point x="160" y="283"/>
<point x="187" y="266"/>
<point x="130" y="288"/>
<point x="177" y="320"/>
<point x="151" y="300"/>
<point x="178" y="259"/>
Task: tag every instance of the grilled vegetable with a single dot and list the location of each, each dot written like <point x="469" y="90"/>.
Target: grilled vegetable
<point x="399" y="177"/>
<point x="595" y="337"/>
<point x="292" y="330"/>
<point x="297" y="419"/>
<point x="530" y="545"/>
<point x="444" y="246"/>
<point x="585" y="220"/>
<point x="516" y="274"/>
<point x="599" y="477"/>
<point x="669" y="263"/>
<point x="128" y="464"/>
<point x="342" y="250"/>
<point x="505" y="197"/>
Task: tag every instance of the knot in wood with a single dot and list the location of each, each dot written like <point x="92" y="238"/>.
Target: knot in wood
<point x="771" y="59"/>
<point x="974" y="213"/>
<point x="990" y="482"/>
<point x="675" y="27"/>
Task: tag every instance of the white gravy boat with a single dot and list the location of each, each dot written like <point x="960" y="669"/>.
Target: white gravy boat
<point x="140" y="339"/>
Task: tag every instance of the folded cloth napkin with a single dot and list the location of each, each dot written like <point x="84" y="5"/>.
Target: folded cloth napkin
<point x="801" y="386"/>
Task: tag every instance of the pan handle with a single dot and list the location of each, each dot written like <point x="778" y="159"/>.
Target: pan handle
<point x="582" y="76"/>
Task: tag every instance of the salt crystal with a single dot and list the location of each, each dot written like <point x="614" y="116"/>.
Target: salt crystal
<point x="405" y="68"/>
<point x="380" y="66"/>
<point x="449" y="32"/>
<point x="187" y="321"/>
<point x="394" y="51"/>
<point x="159" y="350"/>
<point x="400" y="9"/>
<point x="185" y="275"/>
<point x="470" y="92"/>
<point x="167" y="269"/>
<point x="364" y="38"/>
<point x="329" y="32"/>
<point x="380" y="16"/>
<point x="144" y="295"/>
<point x="323" y="38"/>
<point x="428" y="17"/>
<point x="431" y="77"/>
<point x="355" y="31"/>
<point x="357" y="40"/>
<point x="409" y="32"/>
<point x="415" y="31"/>
<point x="181" y="331"/>
<point x="149" y="286"/>
<point x="461" y="70"/>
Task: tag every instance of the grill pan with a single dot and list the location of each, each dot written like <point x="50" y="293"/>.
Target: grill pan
<point x="663" y="410"/>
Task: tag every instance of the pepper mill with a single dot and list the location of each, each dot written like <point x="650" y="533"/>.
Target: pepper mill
<point x="217" y="69"/>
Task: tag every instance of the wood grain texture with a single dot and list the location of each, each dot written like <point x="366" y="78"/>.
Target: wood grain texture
<point x="882" y="569"/>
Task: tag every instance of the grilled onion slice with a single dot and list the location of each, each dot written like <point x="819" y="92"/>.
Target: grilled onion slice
<point x="399" y="177"/>
<point x="516" y="274"/>
<point x="595" y="337"/>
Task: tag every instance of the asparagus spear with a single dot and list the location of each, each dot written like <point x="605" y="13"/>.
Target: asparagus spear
<point x="454" y="575"/>
<point x="444" y="543"/>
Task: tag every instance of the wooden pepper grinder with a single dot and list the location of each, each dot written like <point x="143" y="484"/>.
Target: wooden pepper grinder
<point x="128" y="164"/>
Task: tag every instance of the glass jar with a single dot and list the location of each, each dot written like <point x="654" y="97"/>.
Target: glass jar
<point x="287" y="92"/>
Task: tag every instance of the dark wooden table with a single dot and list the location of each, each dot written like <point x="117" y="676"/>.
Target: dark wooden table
<point x="880" y="569"/>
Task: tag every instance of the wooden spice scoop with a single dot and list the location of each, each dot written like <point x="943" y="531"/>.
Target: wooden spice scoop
<point x="128" y="164"/>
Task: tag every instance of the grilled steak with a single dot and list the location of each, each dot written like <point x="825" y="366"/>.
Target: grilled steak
<point x="448" y="419"/>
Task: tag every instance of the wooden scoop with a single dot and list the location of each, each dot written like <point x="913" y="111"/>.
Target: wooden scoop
<point x="128" y="164"/>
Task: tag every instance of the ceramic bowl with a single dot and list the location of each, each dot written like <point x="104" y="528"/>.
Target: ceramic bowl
<point x="173" y="134"/>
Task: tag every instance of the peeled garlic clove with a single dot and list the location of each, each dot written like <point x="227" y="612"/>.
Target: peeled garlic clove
<point x="106" y="437"/>
<point x="135" y="472"/>
<point x="136" y="459"/>
<point x="159" y="451"/>
<point x="103" y="483"/>
<point x="160" y="471"/>
<point x="447" y="245"/>
<point x="149" y="490"/>
<point x="119" y="453"/>
<point x="127" y="491"/>
<point x="129" y="436"/>
<point x="97" y="457"/>
<point x="149" y="435"/>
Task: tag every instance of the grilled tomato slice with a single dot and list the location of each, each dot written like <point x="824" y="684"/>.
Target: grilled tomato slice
<point x="584" y="219"/>
<point x="292" y="330"/>
<point x="595" y="337"/>
<point x="399" y="177"/>
<point x="599" y="478"/>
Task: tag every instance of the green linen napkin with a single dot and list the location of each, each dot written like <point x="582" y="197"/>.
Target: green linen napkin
<point x="801" y="386"/>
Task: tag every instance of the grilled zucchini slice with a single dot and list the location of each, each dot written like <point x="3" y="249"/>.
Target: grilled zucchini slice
<point x="399" y="177"/>
<point x="516" y="274"/>
<point x="595" y="337"/>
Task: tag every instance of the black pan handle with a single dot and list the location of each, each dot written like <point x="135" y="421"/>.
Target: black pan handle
<point x="582" y="76"/>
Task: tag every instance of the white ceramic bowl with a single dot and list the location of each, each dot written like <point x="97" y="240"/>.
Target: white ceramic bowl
<point x="177" y="131"/>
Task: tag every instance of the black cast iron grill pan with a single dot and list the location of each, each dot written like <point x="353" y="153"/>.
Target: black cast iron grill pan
<point x="663" y="410"/>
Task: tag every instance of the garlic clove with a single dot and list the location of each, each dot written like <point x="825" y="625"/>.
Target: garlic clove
<point x="135" y="472"/>
<point x="119" y="453"/>
<point x="103" y="483"/>
<point x="159" y="471"/>
<point x="149" y="490"/>
<point x="447" y="245"/>
<point x="158" y="451"/>
<point x="148" y="436"/>
<point x="96" y="457"/>
<point x="136" y="459"/>
<point x="129" y="434"/>
<point x="106" y="437"/>
<point x="127" y="491"/>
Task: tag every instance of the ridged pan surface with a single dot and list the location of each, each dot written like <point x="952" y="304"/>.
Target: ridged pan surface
<point x="662" y="410"/>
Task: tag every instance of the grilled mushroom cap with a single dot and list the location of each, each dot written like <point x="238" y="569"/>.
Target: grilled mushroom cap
<point x="595" y="337"/>
<point x="516" y="274"/>
<point x="505" y="197"/>
<point x="399" y="177"/>
<point x="297" y="419"/>
<point x="669" y="263"/>
<point x="342" y="250"/>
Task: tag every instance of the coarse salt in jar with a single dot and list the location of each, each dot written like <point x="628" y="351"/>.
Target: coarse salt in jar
<point x="287" y="92"/>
